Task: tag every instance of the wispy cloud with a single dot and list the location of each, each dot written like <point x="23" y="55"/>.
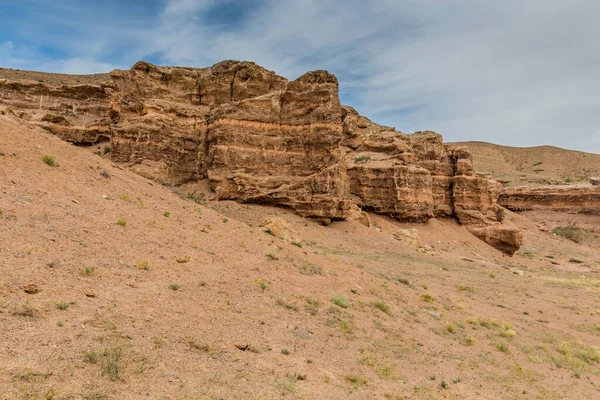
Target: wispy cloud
<point x="511" y="72"/>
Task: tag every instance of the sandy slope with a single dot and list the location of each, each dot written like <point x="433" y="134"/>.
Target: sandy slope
<point x="533" y="165"/>
<point x="125" y="334"/>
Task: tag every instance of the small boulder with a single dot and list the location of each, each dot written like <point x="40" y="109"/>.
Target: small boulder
<point x="32" y="288"/>
<point x="282" y="229"/>
<point x="507" y="239"/>
<point x="595" y="181"/>
<point x="410" y="237"/>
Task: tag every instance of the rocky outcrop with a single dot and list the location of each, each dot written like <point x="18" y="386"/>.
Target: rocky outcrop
<point x="76" y="113"/>
<point x="257" y="137"/>
<point x="572" y="199"/>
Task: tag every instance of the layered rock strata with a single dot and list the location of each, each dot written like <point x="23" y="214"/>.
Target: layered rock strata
<point x="257" y="137"/>
<point x="571" y="199"/>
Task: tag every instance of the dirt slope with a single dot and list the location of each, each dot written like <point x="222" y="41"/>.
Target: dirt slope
<point x="454" y="319"/>
<point x="540" y="165"/>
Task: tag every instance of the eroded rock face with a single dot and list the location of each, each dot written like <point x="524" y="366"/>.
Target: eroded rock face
<point x="74" y="113"/>
<point x="257" y="137"/>
<point x="572" y="199"/>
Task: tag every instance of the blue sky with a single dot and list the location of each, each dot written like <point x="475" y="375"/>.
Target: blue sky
<point x="514" y="72"/>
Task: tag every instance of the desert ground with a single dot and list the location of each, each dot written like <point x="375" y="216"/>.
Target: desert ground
<point x="533" y="166"/>
<point x="115" y="287"/>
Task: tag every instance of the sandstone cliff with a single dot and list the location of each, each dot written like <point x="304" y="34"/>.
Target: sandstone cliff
<point x="257" y="137"/>
<point x="574" y="199"/>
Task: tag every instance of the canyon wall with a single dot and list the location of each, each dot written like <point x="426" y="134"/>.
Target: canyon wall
<point x="573" y="199"/>
<point x="257" y="137"/>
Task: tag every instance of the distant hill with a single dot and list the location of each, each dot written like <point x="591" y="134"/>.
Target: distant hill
<point x="540" y="165"/>
<point x="51" y="78"/>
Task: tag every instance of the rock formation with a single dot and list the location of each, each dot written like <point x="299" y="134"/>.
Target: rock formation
<point x="257" y="137"/>
<point x="574" y="199"/>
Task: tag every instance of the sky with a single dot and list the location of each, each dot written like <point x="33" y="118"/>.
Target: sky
<point x="512" y="72"/>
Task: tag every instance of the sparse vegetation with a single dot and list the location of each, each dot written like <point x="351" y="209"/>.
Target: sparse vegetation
<point x="121" y="222"/>
<point x="182" y="260"/>
<point x="285" y="352"/>
<point x="506" y="331"/>
<point x="286" y="304"/>
<point x="167" y="214"/>
<point x="357" y="379"/>
<point x="297" y="244"/>
<point x="383" y="306"/>
<point x="465" y="288"/>
<point x="91" y="357"/>
<point x="488" y="323"/>
<point x="62" y="306"/>
<point x="194" y="345"/>
<point x="49" y="160"/>
<point x="469" y="340"/>
<point x="428" y="298"/>
<point x="362" y="159"/>
<point x="273" y="256"/>
<point x="196" y="197"/>
<point x="105" y="174"/>
<point x="143" y="265"/>
<point x="503" y="347"/>
<point x="340" y="301"/>
<point x="571" y="232"/>
<point x="310" y="269"/>
<point x="261" y="283"/>
<point x="345" y="326"/>
<point x="175" y="286"/>
<point x="23" y="310"/>
<point x="312" y="305"/>
<point x="111" y="360"/>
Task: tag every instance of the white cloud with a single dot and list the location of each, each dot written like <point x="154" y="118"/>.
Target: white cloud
<point x="510" y="72"/>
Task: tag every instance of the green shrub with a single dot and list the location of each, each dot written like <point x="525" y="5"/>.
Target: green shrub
<point x="383" y="306"/>
<point x="340" y="301"/>
<point x="196" y="197"/>
<point x="51" y="161"/>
